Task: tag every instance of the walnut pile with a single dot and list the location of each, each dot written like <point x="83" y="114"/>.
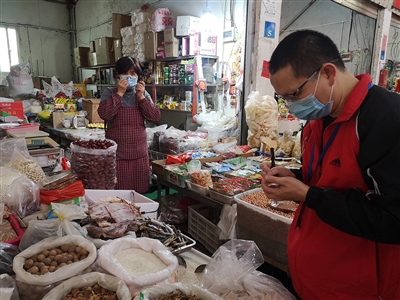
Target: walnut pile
<point x="176" y="295"/>
<point x="95" y="292"/>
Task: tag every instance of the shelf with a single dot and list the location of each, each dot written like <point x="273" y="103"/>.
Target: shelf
<point x="184" y="57"/>
<point x="177" y="110"/>
<point x="183" y="85"/>
<point x="98" y="67"/>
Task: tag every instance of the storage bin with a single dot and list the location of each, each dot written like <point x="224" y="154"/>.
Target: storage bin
<point x="202" y="228"/>
<point x="267" y="229"/>
<point x="202" y="190"/>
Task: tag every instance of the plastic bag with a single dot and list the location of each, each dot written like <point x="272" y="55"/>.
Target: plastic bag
<point x="227" y="222"/>
<point x="261" y="118"/>
<point x="170" y="212"/>
<point x="8" y="288"/>
<point x="57" y="87"/>
<point x="62" y="273"/>
<point x="20" y="193"/>
<point x="106" y="281"/>
<point x="19" y="80"/>
<point x="8" y="252"/>
<point x="40" y="229"/>
<point x="222" y="148"/>
<point x="95" y="167"/>
<point x="27" y="165"/>
<point x="232" y="273"/>
<point x="73" y="190"/>
<point x="107" y="261"/>
<point x="188" y="289"/>
<point x="8" y="146"/>
<point x="161" y="19"/>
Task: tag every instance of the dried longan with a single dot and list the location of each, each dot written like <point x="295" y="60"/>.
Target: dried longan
<point x="52" y="268"/>
<point x="47" y="261"/>
<point x="34" y="257"/>
<point x="58" y="258"/>
<point x="53" y="252"/>
<point x="84" y="252"/>
<point x="54" y="263"/>
<point x="46" y="252"/>
<point x="33" y="270"/>
<point x="64" y="247"/>
<point x="28" y="264"/>
<point x="78" y="249"/>
<point x="71" y="249"/>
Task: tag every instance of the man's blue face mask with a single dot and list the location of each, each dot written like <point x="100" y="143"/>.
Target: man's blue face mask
<point x="309" y="108"/>
<point x="132" y="80"/>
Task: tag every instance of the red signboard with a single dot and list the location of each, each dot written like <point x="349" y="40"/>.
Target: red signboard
<point x="396" y="4"/>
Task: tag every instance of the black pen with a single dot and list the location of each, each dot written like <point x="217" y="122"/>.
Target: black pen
<point x="272" y="157"/>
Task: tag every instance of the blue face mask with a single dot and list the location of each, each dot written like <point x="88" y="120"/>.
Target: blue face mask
<point x="309" y="108"/>
<point x="132" y="80"/>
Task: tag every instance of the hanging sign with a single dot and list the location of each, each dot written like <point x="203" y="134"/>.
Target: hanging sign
<point x="269" y="30"/>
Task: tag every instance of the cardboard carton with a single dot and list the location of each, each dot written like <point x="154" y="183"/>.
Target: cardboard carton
<point x="171" y="43"/>
<point x="105" y="51"/>
<point x="187" y="25"/>
<point x="119" y="21"/>
<point x="81" y="56"/>
<point x="90" y="105"/>
<point x="92" y="59"/>
<point x="117" y="49"/>
<point x="92" y="46"/>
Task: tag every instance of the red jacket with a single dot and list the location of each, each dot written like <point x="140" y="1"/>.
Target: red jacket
<point x="344" y="239"/>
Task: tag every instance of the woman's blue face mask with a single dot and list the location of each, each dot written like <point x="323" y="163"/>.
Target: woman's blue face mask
<point x="132" y="80"/>
<point x="309" y="108"/>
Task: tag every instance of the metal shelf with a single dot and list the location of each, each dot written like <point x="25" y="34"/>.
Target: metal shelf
<point x="184" y="57"/>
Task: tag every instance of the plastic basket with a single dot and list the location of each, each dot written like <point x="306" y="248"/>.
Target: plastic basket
<point x="202" y="229"/>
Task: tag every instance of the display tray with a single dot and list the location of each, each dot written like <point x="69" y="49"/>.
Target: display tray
<point x="202" y="190"/>
<point x="187" y="247"/>
<point x="221" y="197"/>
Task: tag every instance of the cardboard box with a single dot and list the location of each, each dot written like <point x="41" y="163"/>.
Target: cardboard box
<point x="185" y="46"/>
<point x="58" y="118"/>
<point x="158" y="167"/>
<point x="92" y="46"/>
<point x="171" y="43"/>
<point x="81" y="56"/>
<point x="147" y="206"/>
<point x="187" y="25"/>
<point x="119" y="21"/>
<point x="105" y="51"/>
<point x="194" y="44"/>
<point x="90" y="105"/>
<point x="208" y="44"/>
<point x="4" y="91"/>
<point x="92" y="57"/>
<point x="81" y="87"/>
<point x="38" y="83"/>
<point x="152" y="40"/>
<point x="14" y="109"/>
<point x="117" y="49"/>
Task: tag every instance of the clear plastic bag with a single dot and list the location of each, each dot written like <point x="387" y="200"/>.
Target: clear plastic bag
<point x="8" y="288"/>
<point x="106" y="281"/>
<point x="232" y="274"/>
<point x="27" y="165"/>
<point x="19" y="193"/>
<point x="8" y="146"/>
<point x="40" y="229"/>
<point x="8" y="252"/>
<point x="170" y="212"/>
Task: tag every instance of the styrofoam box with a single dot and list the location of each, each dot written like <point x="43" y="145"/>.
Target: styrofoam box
<point x="267" y="229"/>
<point x="146" y="205"/>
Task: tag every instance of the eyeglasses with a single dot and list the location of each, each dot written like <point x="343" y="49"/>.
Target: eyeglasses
<point x="292" y="97"/>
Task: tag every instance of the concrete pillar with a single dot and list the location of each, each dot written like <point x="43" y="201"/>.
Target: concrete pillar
<point x="268" y="15"/>
<point x="381" y="40"/>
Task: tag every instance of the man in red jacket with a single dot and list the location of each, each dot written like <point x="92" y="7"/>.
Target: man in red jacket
<point x="344" y="242"/>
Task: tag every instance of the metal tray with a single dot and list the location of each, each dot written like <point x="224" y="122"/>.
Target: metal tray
<point x="185" y="248"/>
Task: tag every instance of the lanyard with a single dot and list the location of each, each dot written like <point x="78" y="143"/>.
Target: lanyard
<point x="310" y="172"/>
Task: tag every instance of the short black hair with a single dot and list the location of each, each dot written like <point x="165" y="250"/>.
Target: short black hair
<point x="124" y="64"/>
<point x="305" y="51"/>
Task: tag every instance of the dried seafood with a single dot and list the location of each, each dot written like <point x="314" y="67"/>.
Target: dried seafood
<point x="167" y="234"/>
<point x="95" y="292"/>
<point x="177" y="295"/>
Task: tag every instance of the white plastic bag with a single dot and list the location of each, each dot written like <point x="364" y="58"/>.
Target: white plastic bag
<point x="188" y="289"/>
<point x="40" y="229"/>
<point x="107" y="261"/>
<point x="106" y="281"/>
<point x="62" y="273"/>
<point x="227" y="222"/>
<point x="161" y="19"/>
<point x="19" y="80"/>
<point x="7" y="147"/>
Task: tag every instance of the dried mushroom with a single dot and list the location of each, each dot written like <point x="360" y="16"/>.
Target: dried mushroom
<point x="95" y="292"/>
<point x="176" y="295"/>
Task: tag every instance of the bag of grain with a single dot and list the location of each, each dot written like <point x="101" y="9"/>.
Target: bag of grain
<point x="139" y="262"/>
<point x="107" y="282"/>
<point x="42" y="266"/>
<point x="174" y="288"/>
